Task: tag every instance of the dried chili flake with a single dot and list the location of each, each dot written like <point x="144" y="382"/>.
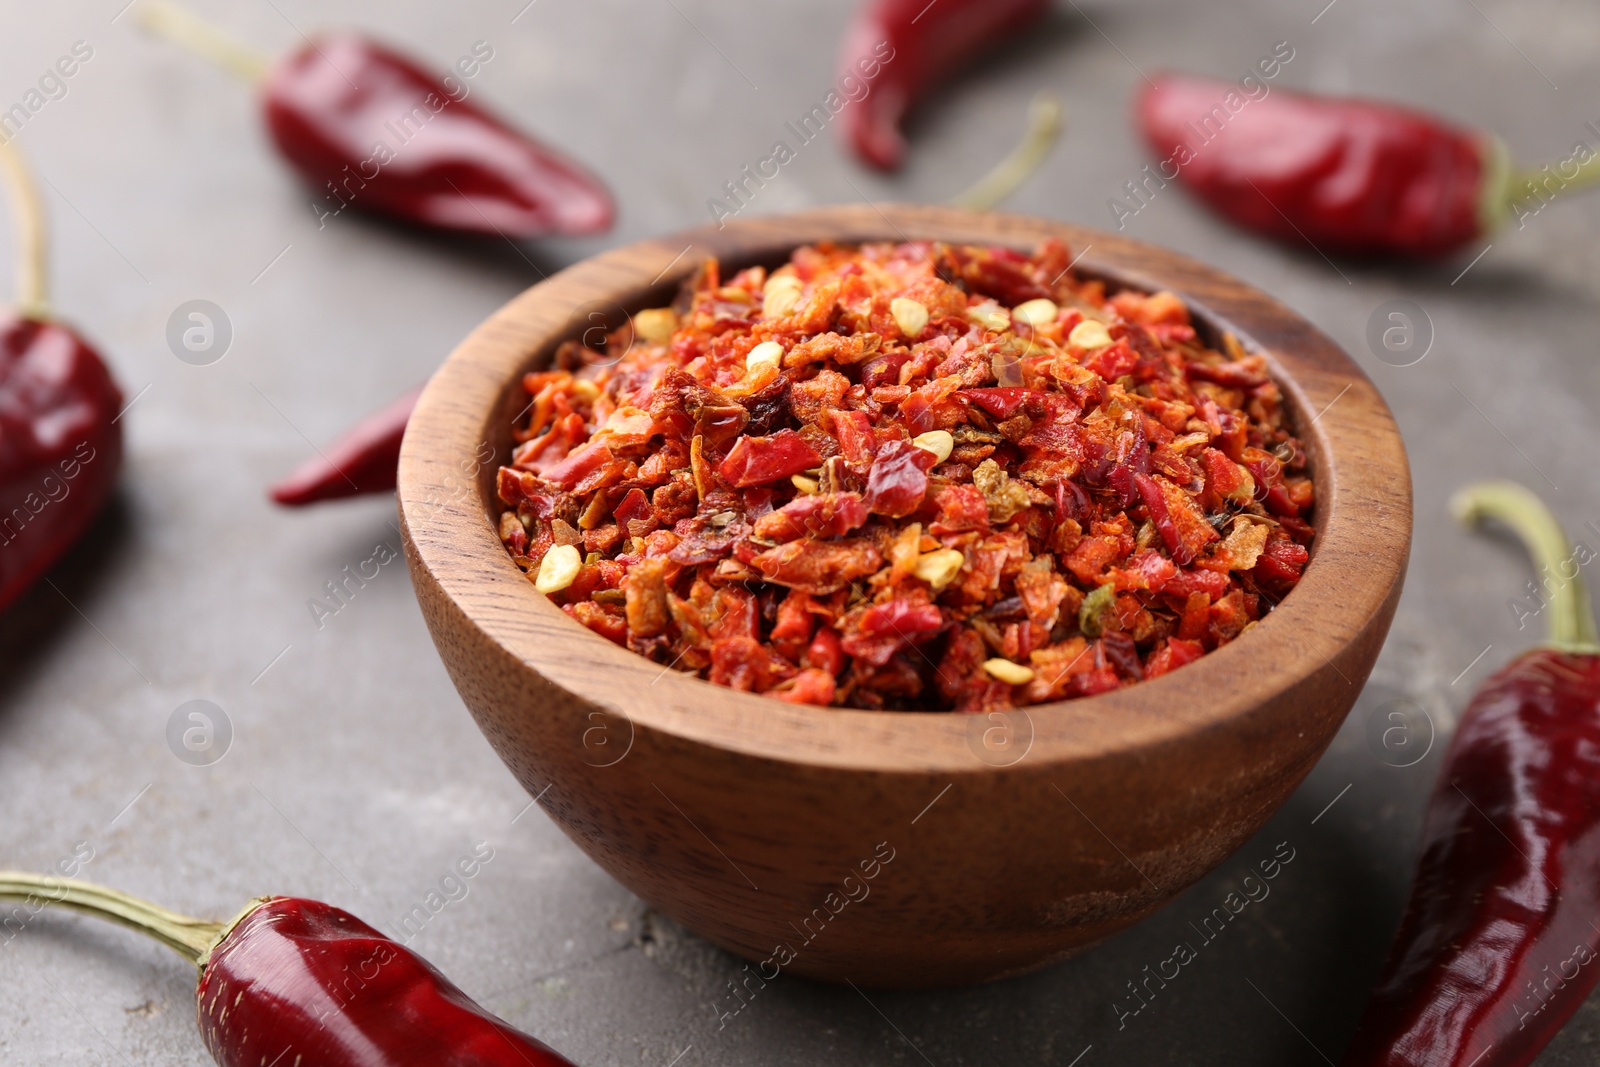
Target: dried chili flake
<point x="783" y="488"/>
<point x="822" y="515"/>
<point x="899" y="479"/>
<point x="759" y="460"/>
<point x="817" y="567"/>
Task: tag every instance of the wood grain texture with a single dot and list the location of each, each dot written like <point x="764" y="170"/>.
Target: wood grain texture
<point x="1016" y="839"/>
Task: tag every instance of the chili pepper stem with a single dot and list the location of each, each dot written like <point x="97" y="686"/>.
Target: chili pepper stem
<point x="1527" y="186"/>
<point x="1496" y="205"/>
<point x="32" y="260"/>
<point x="1045" y="120"/>
<point x="191" y="938"/>
<point x="1572" y="625"/>
<point x="186" y="29"/>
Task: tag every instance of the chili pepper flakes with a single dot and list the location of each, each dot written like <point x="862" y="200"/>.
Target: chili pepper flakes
<point x="911" y="476"/>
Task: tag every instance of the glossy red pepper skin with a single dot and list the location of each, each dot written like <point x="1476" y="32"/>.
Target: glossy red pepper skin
<point x="448" y="163"/>
<point x="1348" y="175"/>
<point x="898" y="479"/>
<point x="60" y="445"/>
<point x="759" y="460"/>
<point x="909" y="46"/>
<point x="1498" y="945"/>
<point x="298" y="981"/>
<point x="364" y="460"/>
<point x="1001" y="402"/>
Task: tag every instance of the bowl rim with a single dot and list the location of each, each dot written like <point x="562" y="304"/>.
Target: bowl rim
<point x="1363" y="514"/>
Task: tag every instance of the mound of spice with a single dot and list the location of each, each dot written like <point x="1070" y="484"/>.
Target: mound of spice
<point x="915" y="476"/>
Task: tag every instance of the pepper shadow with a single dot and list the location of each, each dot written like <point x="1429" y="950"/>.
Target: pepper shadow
<point x="531" y="260"/>
<point x="35" y="621"/>
<point x="1457" y="276"/>
<point x="369" y="526"/>
<point x="1487" y="279"/>
<point x="1356" y="893"/>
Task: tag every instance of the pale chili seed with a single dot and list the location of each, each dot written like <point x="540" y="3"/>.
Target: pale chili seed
<point x="939" y="442"/>
<point x="656" y="325"/>
<point x="1008" y="672"/>
<point x="1040" y="312"/>
<point x="558" y="569"/>
<point x="910" y="315"/>
<point x="1090" y="333"/>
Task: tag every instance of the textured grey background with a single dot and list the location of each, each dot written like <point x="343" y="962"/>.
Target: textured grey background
<point x="356" y="776"/>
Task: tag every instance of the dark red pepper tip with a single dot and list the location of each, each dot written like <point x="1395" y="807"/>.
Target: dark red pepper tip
<point x="371" y="129"/>
<point x="313" y="482"/>
<point x="364" y="460"/>
<point x="873" y="131"/>
<point x="897" y="49"/>
<point x="1169" y="102"/>
<point x="871" y="125"/>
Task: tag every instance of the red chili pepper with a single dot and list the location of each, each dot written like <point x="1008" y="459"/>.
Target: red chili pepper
<point x="1150" y="492"/>
<point x="633" y="506"/>
<point x="582" y="462"/>
<point x="298" y="981"/>
<point x="1347" y="175"/>
<point x="898" y="479"/>
<point x="1234" y="375"/>
<point x="60" y="439"/>
<point x="371" y="129"/>
<point x="1498" y="945"/>
<point x="759" y="460"/>
<point x="876" y="633"/>
<point x="1002" y="403"/>
<point x="899" y="49"/>
<point x="824" y="515"/>
<point x="364" y="460"/>
<point x="853" y="431"/>
<point x="332" y="103"/>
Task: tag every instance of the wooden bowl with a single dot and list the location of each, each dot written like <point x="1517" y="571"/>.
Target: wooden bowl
<point x="899" y="849"/>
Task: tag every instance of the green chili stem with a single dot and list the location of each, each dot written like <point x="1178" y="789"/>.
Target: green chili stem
<point x="32" y="262"/>
<point x="191" y="938"/>
<point x="1572" y="626"/>
<point x="184" y="28"/>
<point x="1526" y="186"/>
<point x="1044" y="126"/>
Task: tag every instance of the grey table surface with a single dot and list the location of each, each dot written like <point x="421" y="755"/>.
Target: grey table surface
<point x="354" y="773"/>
